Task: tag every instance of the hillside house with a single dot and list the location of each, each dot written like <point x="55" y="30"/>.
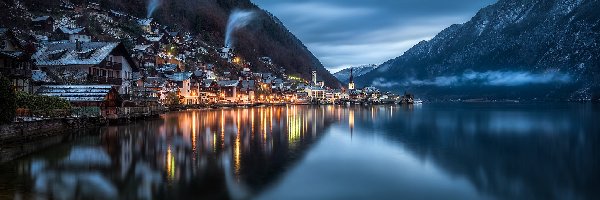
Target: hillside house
<point x="315" y="93"/>
<point x="229" y="90"/>
<point x="209" y="90"/>
<point x="247" y="89"/>
<point x="43" y="23"/>
<point x="87" y="63"/>
<point x="15" y="64"/>
<point x="187" y="87"/>
<point x="146" y="24"/>
<point x="104" y="97"/>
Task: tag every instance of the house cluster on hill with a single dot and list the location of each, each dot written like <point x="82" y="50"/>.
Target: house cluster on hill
<point x="159" y="66"/>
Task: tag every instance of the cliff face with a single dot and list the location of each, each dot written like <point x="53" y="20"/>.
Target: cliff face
<point x="264" y="36"/>
<point x="515" y="48"/>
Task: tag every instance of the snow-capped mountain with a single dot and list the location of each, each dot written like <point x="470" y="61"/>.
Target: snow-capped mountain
<point x="547" y="49"/>
<point x="344" y="75"/>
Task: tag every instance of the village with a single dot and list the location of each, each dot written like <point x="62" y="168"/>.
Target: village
<point x="157" y="71"/>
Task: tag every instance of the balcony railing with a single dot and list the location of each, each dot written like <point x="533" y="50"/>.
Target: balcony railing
<point x="112" y="65"/>
<point x="106" y="80"/>
<point x="11" y="72"/>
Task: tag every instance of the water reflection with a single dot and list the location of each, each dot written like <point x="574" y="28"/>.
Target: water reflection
<point x="460" y="151"/>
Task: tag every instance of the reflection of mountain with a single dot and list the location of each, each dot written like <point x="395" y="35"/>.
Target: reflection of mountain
<point x="201" y="154"/>
<point x="518" y="153"/>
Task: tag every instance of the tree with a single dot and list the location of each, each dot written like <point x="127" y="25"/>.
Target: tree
<point x="172" y="99"/>
<point x="8" y="105"/>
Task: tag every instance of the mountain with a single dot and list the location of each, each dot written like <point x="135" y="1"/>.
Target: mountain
<point x="344" y="74"/>
<point x="530" y="49"/>
<point x="264" y="36"/>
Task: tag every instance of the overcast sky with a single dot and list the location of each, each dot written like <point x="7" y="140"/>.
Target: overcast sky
<point x="344" y="33"/>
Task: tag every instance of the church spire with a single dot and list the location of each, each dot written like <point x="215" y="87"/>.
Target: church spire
<point x="351" y="76"/>
<point x="351" y="80"/>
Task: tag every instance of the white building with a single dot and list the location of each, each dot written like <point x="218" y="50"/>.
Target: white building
<point x="87" y="63"/>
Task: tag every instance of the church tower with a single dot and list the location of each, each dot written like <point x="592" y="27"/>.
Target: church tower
<point x="351" y="83"/>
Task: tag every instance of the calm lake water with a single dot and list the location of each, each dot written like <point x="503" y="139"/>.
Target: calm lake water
<point x="432" y="151"/>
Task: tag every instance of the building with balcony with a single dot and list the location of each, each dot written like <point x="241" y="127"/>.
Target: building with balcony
<point x="15" y="64"/>
<point x="106" y="63"/>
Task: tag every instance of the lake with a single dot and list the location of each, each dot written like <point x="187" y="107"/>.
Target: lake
<point x="430" y="151"/>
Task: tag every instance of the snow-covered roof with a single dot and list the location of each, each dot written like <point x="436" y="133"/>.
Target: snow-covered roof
<point x="70" y="31"/>
<point x="40" y="18"/>
<point x="231" y="83"/>
<point x="153" y="38"/>
<point x="41" y="37"/>
<point x="141" y="47"/>
<point x="207" y="82"/>
<point x="248" y="85"/>
<point x="198" y="73"/>
<point x="40" y="76"/>
<point x="66" y="53"/>
<point x="179" y="76"/>
<point x="167" y="67"/>
<point x="12" y="54"/>
<point x="77" y="93"/>
<point x="225" y="50"/>
<point x="173" y="33"/>
<point x="145" y="22"/>
<point x="154" y="82"/>
<point x="314" y="88"/>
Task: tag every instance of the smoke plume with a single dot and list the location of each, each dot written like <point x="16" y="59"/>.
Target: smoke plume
<point x="152" y="5"/>
<point x="237" y="19"/>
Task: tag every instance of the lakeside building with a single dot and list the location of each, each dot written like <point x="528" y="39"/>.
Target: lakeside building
<point x="15" y="63"/>
<point x="104" y="97"/>
<point x="87" y="63"/>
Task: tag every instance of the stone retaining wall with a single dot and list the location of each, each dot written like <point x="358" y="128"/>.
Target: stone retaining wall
<point x="19" y="139"/>
<point x="30" y="131"/>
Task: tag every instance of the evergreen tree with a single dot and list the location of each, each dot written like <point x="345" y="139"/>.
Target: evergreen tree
<point x="8" y="105"/>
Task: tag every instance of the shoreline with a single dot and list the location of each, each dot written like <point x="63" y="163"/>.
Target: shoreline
<point x="23" y="138"/>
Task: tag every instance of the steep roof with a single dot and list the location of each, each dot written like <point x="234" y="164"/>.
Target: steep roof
<point x="179" y="76"/>
<point x="70" y="31"/>
<point x="77" y="93"/>
<point x="40" y="18"/>
<point x="154" y="38"/>
<point x="145" y="22"/>
<point x="231" y="83"/>
<point x="66" y="53"/>
<point x="248" y="85"/>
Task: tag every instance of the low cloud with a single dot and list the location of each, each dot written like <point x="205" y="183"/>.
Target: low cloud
<point x="489" y="78"/>
<point x="383" y="83"/>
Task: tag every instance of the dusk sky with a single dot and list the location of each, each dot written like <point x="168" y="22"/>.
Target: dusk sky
<point x="344" y="33"/>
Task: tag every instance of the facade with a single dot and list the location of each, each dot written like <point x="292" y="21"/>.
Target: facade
<point x="229" y="91"/>
<point x="104" y="97"/>
<point x="188" y="88"/>
<point x="15" y="64"/>
<point x="315" y="93"/>
<point x="43" y="23"/>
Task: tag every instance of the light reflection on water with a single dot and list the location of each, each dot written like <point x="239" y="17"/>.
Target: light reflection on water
<point x="433" y="151"/>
